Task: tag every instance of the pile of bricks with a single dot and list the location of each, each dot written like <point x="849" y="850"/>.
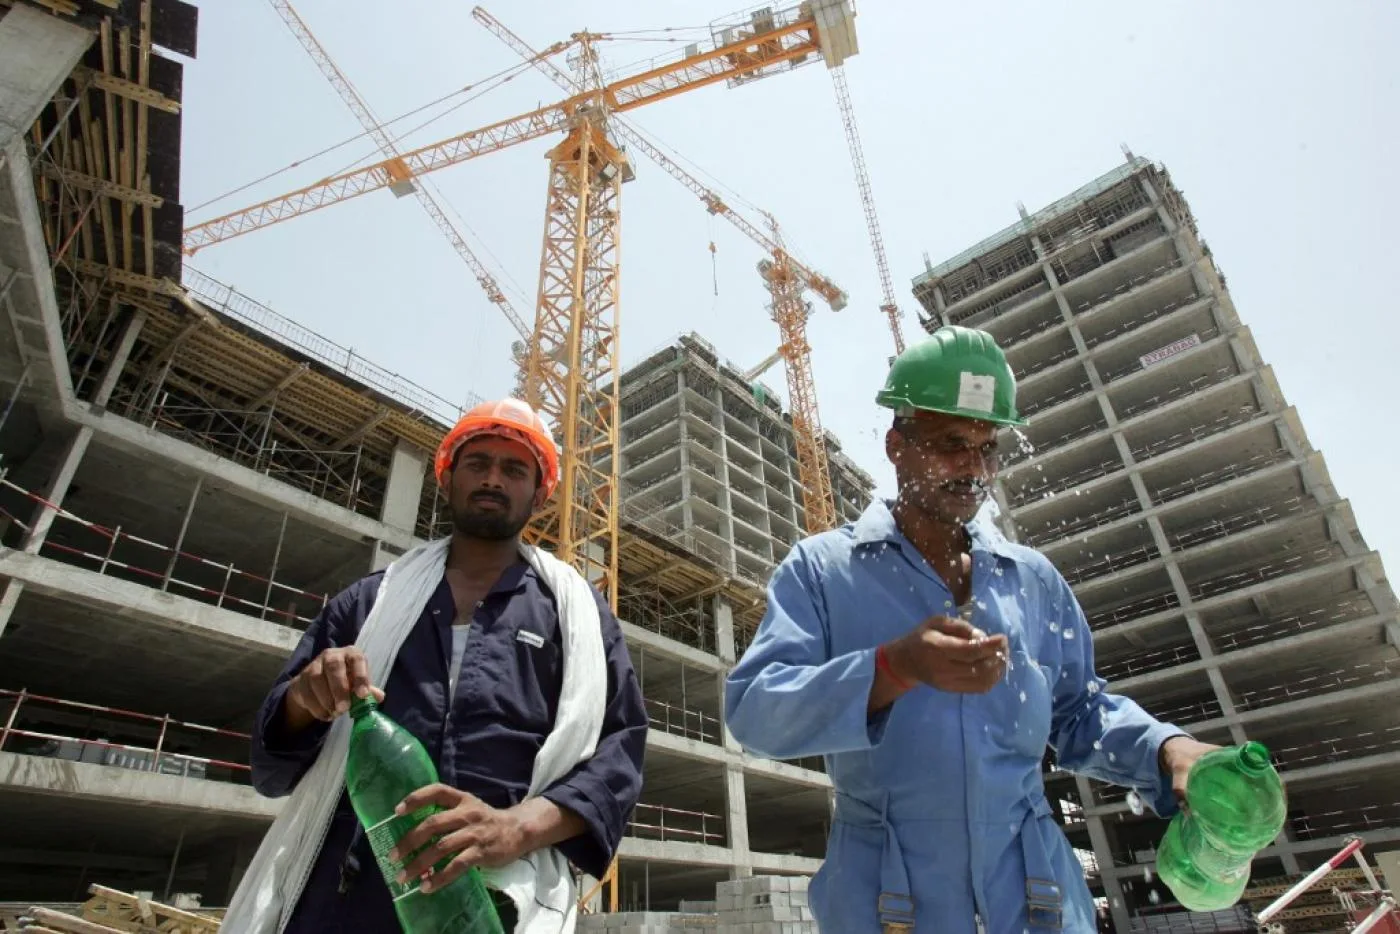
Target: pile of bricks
<point x="759" y="905"/>
<point x="647" y="922"/>
<point x="764" y="905"/>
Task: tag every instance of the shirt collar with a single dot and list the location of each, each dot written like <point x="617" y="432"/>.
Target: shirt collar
<point x="877" y="526"/>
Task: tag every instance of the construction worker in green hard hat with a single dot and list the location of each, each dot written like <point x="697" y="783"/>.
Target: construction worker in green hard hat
<point x="931" y="662"/>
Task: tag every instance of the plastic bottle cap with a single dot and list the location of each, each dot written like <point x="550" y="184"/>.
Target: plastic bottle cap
<point x="1254" y="757"/>
<point x="361" y="706"/>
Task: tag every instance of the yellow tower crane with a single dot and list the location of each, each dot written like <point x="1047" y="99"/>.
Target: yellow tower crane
<point x="784" y="277"/>
<point x="572" y="370"/>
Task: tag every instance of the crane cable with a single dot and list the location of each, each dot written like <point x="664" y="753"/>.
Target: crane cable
<point x="492" y="82"/>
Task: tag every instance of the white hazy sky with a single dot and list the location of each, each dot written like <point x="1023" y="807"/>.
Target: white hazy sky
<point x="1277" y="119"/>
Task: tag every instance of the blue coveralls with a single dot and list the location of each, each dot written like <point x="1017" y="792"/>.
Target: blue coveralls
<point x="939" y="797"/>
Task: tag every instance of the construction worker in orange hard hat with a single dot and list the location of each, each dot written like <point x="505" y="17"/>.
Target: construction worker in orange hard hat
<point x="509" y="668"/>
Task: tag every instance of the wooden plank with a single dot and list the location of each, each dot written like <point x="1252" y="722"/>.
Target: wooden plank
<point x="143" y="114"/>
<point x="127" y="89"/>
<point x="127" y="175"/>
<point x="130" y="279"/>
<point x="68" y="923"/>
<point x="87" y="182"/>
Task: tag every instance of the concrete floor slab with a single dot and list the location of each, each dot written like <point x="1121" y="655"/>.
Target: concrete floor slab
<point x="144" y="665"/>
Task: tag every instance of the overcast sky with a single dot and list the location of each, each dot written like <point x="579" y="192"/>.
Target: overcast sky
<point x="1278" y="120"/>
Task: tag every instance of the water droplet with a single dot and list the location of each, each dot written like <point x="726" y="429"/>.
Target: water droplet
<point x="1153" y="897"/>
<point x="1098" y="744"/>
<point x="1135" y="803"/>
<point x="1147" y="874"/>
<point x="1023" y="697"/>
<point x="1068" y="633"/>
<point x="1112" y="757"/>
<point x="1054" y="626"/>
<point x="1092" y="687"/>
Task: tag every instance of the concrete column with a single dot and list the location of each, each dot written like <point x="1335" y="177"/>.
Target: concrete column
<point x="736" y="804"/>
<point x="687" y="511"/>
<point x="1103" y="853"/>
<point x="37" y="52"/>
<point x="727" y="516"/>
<point x="119" y="358"/>
<point x="940" y="305"/>
<point x="404" y="488"/>
<point x="381" y="557"/>
<point x="53" y="495"/>
<point x="57" y="489"/>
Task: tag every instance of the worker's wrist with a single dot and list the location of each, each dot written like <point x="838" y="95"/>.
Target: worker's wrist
<point x="887" y="660"/>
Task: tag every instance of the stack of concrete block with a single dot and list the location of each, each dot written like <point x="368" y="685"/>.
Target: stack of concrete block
<point x="764" y="905"/>
<point x="647" y="922"/>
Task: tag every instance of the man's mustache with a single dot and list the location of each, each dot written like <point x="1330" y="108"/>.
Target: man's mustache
<point x="490" y="497"/>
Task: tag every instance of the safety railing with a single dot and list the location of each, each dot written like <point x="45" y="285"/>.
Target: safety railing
<point x="1083" y="521"/>
<point x="1300" y="686"/>
<point x="1082" y="430"/>
<point x="143" y="561"/>
<point x="1158" y="446"/>
<point x="1335" y="822"/>
<point x="1109" y="563"/>
<point x="1274" y="628"/>
<point x="1141" y="663"/>
<point x="1041" y="363"/>
<point x="1176" y="710"/>
<point x="1131" y="611"/>
<point x="1178" y="390"/>
<point x="1123" y="287"/>
<point x="682" y="721"/>
<point x="1258" y="574"/>
<point x="22" y="707"/>
<point x="1047" y="485"/>
<point x="343" y="359"/>
<point x="1049" y="402"/>
<point x="667" y="824"/>
<point x="1220" y="527"/>
<point x="249" y="438"/>
<point x="1197" y="481"/>
<point x="1037" y="325"/>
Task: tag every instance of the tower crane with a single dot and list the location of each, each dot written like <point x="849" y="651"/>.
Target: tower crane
<point x="867" y="200"/>
<point x="784" y="277"/>
<point x="375" y="128"/>
<point x="572" y="371"/>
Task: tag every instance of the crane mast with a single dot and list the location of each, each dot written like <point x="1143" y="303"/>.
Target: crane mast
<point x="867" y="200"/>
<point x="790" y="312"/>
<point x="785" y="279"/>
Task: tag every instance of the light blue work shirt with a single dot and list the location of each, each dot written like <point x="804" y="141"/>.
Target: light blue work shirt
<point x="939" y="797"/>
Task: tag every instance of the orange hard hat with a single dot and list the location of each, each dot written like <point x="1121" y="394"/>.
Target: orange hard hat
<point x="505" y="418"/>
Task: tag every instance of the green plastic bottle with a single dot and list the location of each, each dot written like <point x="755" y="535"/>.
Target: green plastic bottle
<point x="1235" y="807"/>
<point x="385" y="764"/>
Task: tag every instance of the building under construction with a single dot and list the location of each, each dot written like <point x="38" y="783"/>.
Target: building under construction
<point x="187" y="476"/>
<point x="709" y="460"/>
<point x="1165" y="474"/>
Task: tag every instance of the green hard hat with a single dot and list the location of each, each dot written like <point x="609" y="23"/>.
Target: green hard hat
<point x="957" y="371"/>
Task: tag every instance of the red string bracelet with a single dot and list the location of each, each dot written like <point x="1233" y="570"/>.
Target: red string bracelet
<point x="882" y="663"/>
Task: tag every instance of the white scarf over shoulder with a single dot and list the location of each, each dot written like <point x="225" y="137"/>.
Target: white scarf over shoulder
<point x="539" y="883"/>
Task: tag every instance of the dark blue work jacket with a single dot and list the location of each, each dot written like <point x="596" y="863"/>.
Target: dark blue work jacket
<point x="484" y="741"/>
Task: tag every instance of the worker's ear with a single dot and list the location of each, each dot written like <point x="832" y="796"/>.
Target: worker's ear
<point x="894" y="445"/>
